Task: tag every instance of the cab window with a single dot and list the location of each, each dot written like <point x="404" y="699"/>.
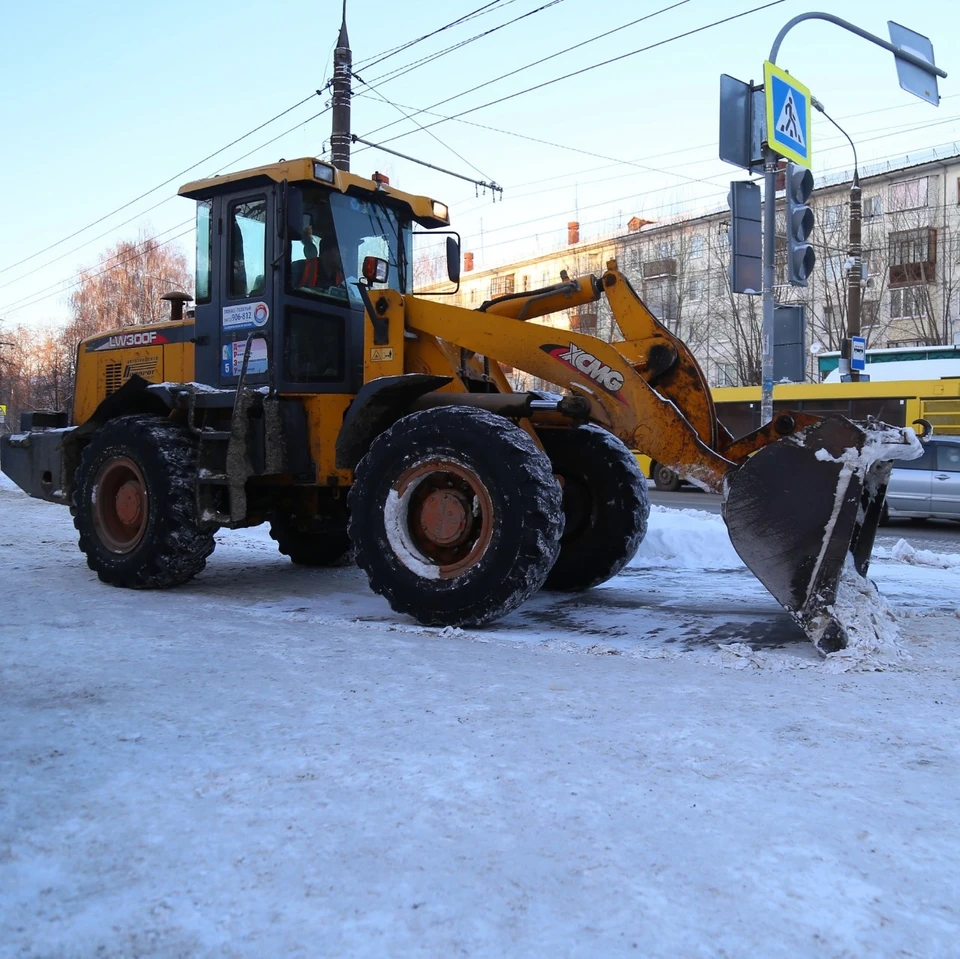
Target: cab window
<point x="325" y="261"/>
<point x="314" y="264"/>
<point x="248" y="234"/>
<point x="204" y="250"/>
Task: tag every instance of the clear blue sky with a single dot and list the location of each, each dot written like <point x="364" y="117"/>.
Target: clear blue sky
<point x="104" y="101"/>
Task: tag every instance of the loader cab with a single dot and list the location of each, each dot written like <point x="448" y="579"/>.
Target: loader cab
<point x="280" y="252"/>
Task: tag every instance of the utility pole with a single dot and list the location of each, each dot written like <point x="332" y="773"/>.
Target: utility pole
<point x="769" y="244"/>
<point x="342" y="72"/>
<point x="855" y="271"/>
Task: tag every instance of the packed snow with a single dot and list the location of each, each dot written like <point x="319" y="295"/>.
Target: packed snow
<point x="269" y="762"/>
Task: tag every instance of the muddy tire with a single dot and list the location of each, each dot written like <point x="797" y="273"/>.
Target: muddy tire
<point x="135" y="504"/>
<point x="605" y="506"/>
<point x="309" y="540"/>
<point x="665" y="479"/>
<point x="456" y="516"/>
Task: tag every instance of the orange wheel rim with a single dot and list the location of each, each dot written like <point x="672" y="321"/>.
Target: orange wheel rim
<point x="443" y="520"/>
<point x="120" y="504"/>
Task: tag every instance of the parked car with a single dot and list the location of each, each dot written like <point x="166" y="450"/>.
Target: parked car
<point x="928" y="487"/>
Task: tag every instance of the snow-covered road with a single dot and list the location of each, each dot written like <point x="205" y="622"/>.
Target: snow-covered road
<point x="268" y="762"/>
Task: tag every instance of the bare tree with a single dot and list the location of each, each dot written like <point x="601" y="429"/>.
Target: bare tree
<point x="125" y="287"/>
<point x="737" y="330"/>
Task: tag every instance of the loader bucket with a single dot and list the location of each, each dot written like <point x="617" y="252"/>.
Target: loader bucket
<point x="798" y="507"/>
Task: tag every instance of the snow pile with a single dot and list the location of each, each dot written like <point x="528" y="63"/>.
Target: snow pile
<point x="903" y="552"/>
<point x="689" y="538"/>
<point x="873" y="632"/>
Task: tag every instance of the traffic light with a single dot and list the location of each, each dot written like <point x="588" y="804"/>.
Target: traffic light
<point x="800" y="255"/>
<point x="746" y="237"/>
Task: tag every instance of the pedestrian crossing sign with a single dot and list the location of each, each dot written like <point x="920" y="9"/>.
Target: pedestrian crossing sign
<point x="788" y="115"/>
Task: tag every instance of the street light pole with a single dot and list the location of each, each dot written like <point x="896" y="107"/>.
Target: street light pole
<point x="855" y="255"/>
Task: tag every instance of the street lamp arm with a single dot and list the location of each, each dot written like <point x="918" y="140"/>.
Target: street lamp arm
<point x="817" y="105"/>
<point x="853" y="28"/>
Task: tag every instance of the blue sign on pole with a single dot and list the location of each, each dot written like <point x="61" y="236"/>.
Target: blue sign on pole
<point x="788" y="115"/>
<point x="858" y="353"/>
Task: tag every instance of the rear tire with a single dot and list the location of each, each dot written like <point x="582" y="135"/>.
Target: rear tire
<point x="456" y="516"/>
<point x="309" y="540"/>
<point x="665" y="479"/>
<point x="605" y="506"/>
<point x="135" y="504"/>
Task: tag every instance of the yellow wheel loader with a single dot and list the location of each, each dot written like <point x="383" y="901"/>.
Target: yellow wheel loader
<point x="312" y="391"/>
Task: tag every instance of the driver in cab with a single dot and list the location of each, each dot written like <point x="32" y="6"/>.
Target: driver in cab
<point x="319" y="270"/>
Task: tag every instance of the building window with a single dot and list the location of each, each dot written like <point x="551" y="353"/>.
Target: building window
<point x="906" y="302"/>
<point x="872" y="206"/>
<point x="913" y="256"/>
<point x="696" y="246"/>
<point x="525" y="282"/>
<point x="868" y="313"/>
<point x="545" y="278"/>
<point x="501" y="285"/>
<point x="832" y="216"/>
<point x="908" y="195"/>
<point x="635" y="259"/>
<point x="834" y="266"/>
<point x="695" y="289"/>
<point x="726" y="374"/>
<point x="660" y="289"/>
<point x="723" y="236"/>
<point x="473" y="296"/>
<point x="664" y="250"/>
<point x="585" y="322"/>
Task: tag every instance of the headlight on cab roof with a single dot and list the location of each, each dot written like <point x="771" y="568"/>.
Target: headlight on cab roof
<point x="440" y="210"/>
<point x="322" y="171"/>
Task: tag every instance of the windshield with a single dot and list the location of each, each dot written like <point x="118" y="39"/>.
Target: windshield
<point x="338" y="232"/>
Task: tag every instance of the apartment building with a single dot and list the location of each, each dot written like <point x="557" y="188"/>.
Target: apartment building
<point x="911" y="294"/>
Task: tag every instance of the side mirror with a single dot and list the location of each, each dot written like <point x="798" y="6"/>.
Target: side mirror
<point x="453" y="259"/>
<point x="375" y="270"/>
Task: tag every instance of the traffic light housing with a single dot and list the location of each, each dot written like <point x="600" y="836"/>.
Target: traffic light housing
<point x="746" y="237"/>
<point x="800" y="255"/>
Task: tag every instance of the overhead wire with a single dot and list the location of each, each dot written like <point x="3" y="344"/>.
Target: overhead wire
<point x="560" y="214"/>
<point x="223" y="149"/>
<point x="168" y="181"/>
<point x="86" y="276"/>
<point x="536" y="63"/>
<point x="484" y="9"/>
<point x="479" y="12"/>
<point x="596" y="66"/>
<point x="613" y="161"/>
<point x="401" y="71"/>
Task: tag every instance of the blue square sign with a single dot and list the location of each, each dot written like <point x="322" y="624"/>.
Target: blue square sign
<point x="788" y="115"/>
<point x="858" y="353"/>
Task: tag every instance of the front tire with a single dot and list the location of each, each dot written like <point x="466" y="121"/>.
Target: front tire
<point x="456" y="516"/>
<point x="605" y="506"/>
<point x="135" y="504"/>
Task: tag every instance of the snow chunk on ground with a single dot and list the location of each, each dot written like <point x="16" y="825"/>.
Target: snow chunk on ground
<point x="903" y="552"/>
<point x="686" y="538"/>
